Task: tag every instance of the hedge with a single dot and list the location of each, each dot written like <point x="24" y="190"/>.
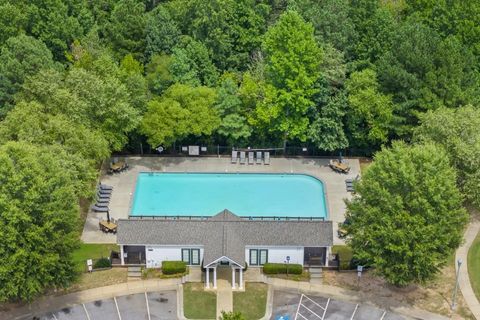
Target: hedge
<point x="173" y="267"/>
<point x="102" y="263"/>
<point x="281" y="268"/>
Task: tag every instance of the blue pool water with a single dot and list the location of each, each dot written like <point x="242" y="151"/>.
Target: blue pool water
<point x="206" y="194"/>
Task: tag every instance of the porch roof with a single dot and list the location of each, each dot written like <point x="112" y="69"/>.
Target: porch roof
<point x="225" y="234"/>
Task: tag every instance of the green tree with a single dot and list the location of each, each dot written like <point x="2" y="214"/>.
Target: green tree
<point x="13" y="20"/>
<point x="407" y="217"/>
<point x="326" y="130"/>
<point x="370" y="111"/>
<point x="52" y="22"/>
<point x="424" y="72"/>
<point x="291" y="71"/>
<point x="86" y="98"/>
<point x="230" y="29"/>
<point x="181" y="111"/>
<point x="232" y="316"/>
<point x="458" y="132"/>
<point x="191" y="64"/>
<point x="158" y="74"/>
<point x="38" y="221"/>
<point x="325" y="16"/>
<point x="234" y="126"/>
<point x="125" y="29"/>
<point x="162" y="32"/>
<point x="130" y="74"/>
<point x="22" y="56"/>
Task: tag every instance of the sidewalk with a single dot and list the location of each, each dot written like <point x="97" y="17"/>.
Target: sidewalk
<point x="52" y="303"/>
<point x="464" y="280"/>
<point x="224" y="297"/>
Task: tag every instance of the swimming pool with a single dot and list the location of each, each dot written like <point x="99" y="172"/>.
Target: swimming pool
<point x="245" y="194"/>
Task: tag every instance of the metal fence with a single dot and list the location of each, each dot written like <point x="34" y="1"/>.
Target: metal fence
<point x="222" y="150"/>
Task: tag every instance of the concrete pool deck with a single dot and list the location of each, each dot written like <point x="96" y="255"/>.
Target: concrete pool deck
<point x="124" y="184"/>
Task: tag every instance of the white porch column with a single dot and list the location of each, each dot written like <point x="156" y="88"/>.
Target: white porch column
<point x="215" y="278"/>
<point x="122" y="260"/>
<point x="327" y="255"/>
<point x="207" y="278"/>
<point x="233" y="277"/>
<point x="241" y="279"/>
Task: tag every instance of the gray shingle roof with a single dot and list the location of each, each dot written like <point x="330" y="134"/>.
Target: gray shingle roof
<point x="224" y="234"/>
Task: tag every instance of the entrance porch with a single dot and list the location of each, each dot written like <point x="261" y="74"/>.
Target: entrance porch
<point x="225" y="269"/>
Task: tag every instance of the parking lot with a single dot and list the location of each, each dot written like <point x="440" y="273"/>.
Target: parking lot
<point x="291" y="306"/>
<point x="141" y="306"/>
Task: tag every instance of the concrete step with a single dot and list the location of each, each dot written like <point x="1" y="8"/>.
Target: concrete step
<point x="135" y="269"/>
<point x="315" y="272"/>
<point x="134" y="274"/>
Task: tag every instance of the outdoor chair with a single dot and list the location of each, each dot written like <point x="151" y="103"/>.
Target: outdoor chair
<point x="99" y="209"/>
<point x="102" y="204"/>
<point x="234" y="156"/>
<point x="242" y="157"/>
<point x="259" y="157"/>
<point x="357" y="177"/>
<point x="103" y="200"/>
<point x="103" y="195"/>
<point x="104" y="191"/>
<point x="250" y="158"/>
<point x="267" y="158"/>
<point x="104" y="187"/>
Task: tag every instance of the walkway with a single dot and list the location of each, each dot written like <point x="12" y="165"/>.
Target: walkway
<point x="224" y="297"/>
<point x="464" y="281"/>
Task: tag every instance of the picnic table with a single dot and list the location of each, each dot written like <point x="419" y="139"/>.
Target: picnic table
<point x="107" y="226"/>
<point x="339" y="166"/>
<point x="117" y="166"/>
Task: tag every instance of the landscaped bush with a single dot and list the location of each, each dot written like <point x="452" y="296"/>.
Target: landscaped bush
<point x="173" y="267"/>
<point x="281" y="268"/>
<point x="102" y="263"/>
<point x="345" y="255"/>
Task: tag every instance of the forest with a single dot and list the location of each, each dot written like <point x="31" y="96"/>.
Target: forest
<point x="80" y="80"/>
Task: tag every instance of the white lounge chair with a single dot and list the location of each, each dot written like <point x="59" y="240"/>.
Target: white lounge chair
<point x="259" y="157"/>
<point x="234" y="156"/>
<point x="242" y="157"/>
<point x="250" y="158"/>
<point x="267" y="158"/>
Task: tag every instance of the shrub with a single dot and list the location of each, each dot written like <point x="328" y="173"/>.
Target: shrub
<point x="281" y="268"/>
<point x="102" y="263"/>
<point x="173" y="267"/>
<point x="345" y="255"/>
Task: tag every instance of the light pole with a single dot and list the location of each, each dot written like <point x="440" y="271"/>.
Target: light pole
<point x="454" y="296"/>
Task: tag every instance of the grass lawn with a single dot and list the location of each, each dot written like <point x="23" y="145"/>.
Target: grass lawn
<point x="99" y="279"/>
<point x="474" y="265"/>
<point x="91" y="251"/>
<point x="198" y="303"/>
<point x="252" y="302"/>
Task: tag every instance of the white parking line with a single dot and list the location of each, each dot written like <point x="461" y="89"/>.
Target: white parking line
<point x="312" y="312"/>
<point x="383" y="315"/>
<point x="354" y="311"/>
<point x="86" y="312"/>
<point x="118" y="311"/>
<point x="54" y="317"/>
<point x="326" y="307"/>
<point x="148" y="308"/>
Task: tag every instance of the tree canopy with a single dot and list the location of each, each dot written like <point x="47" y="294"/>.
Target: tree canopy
<point x="38" y="220"/>
<point x="407" y="217"/>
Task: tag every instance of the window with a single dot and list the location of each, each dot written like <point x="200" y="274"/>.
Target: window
<point x="258" y="257"/>
<point x="191" y="256"/>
